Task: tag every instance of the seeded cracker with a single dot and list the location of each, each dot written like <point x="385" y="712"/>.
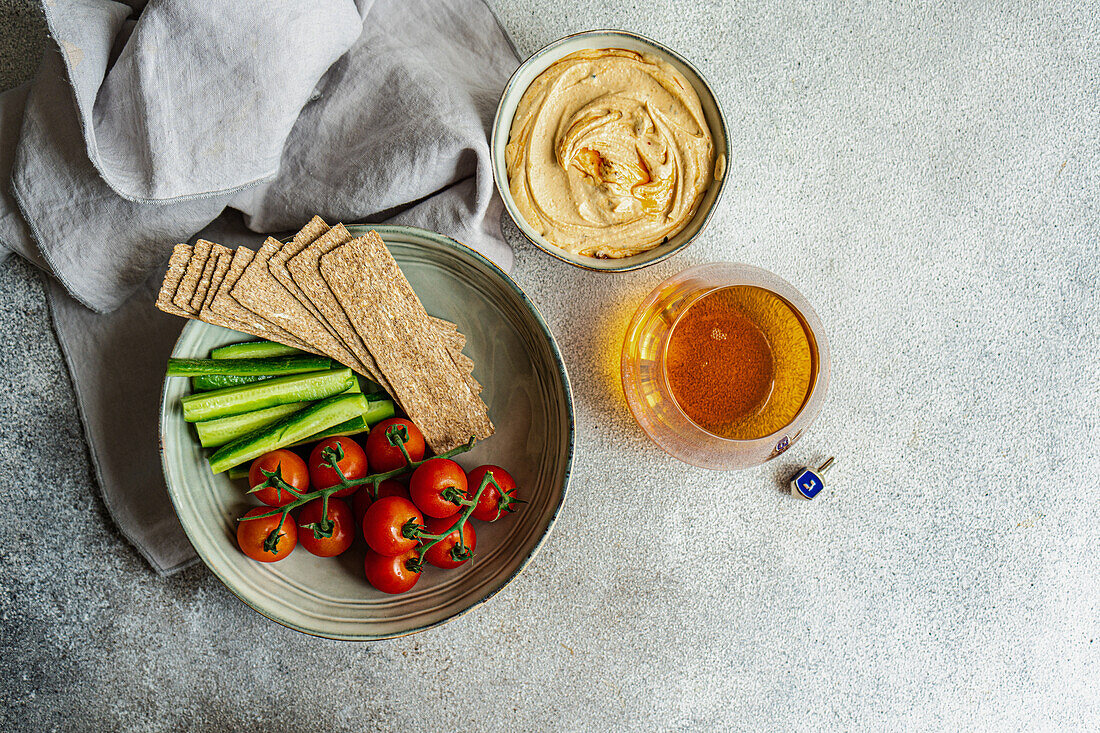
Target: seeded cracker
<point x="186" y="289"/>
<point x="306" y="274"/>
<point x="305" y="269"/>
<point x="277" y="265"/>
<point x="204" y="280"/>
<point x="262" y="294"/>
<point x="393" y="324"/>
<point x="226" y="312"/>
<point x="222" y="256"/>
<point x="177" y="264"/>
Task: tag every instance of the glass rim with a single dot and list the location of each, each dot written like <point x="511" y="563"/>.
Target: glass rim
<point x="810" y="391"/>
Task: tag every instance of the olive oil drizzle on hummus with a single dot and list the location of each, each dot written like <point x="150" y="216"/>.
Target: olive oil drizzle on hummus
<point x="609" y="153"/>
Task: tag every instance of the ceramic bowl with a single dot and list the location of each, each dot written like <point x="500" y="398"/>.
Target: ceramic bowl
<point x="539" y="62"/>
<point x="527" y="390"/>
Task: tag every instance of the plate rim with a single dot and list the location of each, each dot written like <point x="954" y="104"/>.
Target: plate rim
<point x="563" y="376"/>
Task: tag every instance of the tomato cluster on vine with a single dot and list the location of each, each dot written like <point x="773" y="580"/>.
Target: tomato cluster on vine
<point x="404" y="525"/>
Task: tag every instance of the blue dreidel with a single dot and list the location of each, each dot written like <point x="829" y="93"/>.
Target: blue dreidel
<point x="808" y="483"/>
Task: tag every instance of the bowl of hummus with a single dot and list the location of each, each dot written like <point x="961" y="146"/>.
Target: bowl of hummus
<point x="609" y="150"/>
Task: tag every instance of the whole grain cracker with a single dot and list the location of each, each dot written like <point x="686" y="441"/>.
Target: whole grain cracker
<point x="466" y="365"/>
<point x="391" y="320"/>
<point x="277" y="264"/>
<point x="455" y="343"/>
<point x="454" y="339"/>
<point x="262" y="294"/>
<point x="223" y="310"/>
<point x="190" y="280"/>
<point x="221" y="256"/>
<point x="204" y="280"/>
<point x="304" y="269"/>
<point x="177" y="265"/>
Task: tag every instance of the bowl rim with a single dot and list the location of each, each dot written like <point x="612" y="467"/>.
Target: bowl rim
<point x="502" y="185"/>
<point x="570" y="446"/>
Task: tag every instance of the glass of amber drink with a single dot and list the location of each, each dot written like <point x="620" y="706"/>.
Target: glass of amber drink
<point x="725" y="365"/>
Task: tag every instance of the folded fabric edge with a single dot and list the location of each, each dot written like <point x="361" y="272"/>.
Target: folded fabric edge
<point x="503" y="30"/>
<point x="93" y="150"/>
<point x="15" y="236"/>
<point x="162" y="570"/>
<point x="49" y="268"/>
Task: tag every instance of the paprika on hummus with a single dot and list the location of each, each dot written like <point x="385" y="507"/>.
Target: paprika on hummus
<point x="609" y="154"/>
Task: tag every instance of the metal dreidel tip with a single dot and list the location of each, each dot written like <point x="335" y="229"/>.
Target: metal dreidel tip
<point x="808" y="482"/>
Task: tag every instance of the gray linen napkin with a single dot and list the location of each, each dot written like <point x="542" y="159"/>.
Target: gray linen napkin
<point x="224" y="121"/>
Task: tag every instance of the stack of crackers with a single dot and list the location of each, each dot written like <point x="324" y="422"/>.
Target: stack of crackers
<point x="327" y="292"/>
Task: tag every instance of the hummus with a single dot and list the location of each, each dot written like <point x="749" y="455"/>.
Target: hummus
<point x="609" y="153"/>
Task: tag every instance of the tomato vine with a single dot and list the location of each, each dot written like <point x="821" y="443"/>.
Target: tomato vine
<point x="397" y="436"/>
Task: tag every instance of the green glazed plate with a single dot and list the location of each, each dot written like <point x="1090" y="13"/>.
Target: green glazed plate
<point x="527" y="390"/>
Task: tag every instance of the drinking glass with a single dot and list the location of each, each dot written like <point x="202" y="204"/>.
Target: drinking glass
<point x="645" y="371"/>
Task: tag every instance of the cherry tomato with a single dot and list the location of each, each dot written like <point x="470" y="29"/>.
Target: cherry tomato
<point x="488" y="507"/>
<point x="365" y="497"/>
<point x="384" y="521"/>
<point x="353" y="464"/>
<point x="385" y="457"/>
<point x="252" y="534"/>
<point x="391" y="573"/>
<point x="289" y="466"/>
<point x="343" y="529"/>
<point x="439" y="554"/>
<point x="431" y="482"/>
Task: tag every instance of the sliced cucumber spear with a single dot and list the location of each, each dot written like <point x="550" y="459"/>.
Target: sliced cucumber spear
<point x="208" y="382"/>
<point x="289" y="430"/>
<point x="222" y="430"/>
<point x="376" y="412"/>
<point x="254" y="350"/>
<point x="248" y="367"/>
<point x="268" y="393"/>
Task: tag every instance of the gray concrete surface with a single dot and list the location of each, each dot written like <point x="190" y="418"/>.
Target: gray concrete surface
<point x="927" y="175"/>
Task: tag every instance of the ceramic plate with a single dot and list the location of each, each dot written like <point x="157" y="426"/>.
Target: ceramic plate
<point x="527" y="390"/>
<point x="541" y="60"/>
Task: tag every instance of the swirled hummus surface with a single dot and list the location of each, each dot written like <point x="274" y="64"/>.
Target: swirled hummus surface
<point x="609" y="153"/>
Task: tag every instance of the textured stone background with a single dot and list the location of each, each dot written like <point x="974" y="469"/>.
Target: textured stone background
<point x="928" y="176"/>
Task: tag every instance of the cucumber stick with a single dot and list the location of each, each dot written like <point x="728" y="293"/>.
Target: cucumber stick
<point x="355" y="426"/>
<point x="268" y="393"/>
<point x="222" y="430"/>
<point x="248" y="367"/>
<point x="254" y="350"/>
<point x="208" y="382"/>
<point x="376" y="412"/>
<point x="297" y="426"/>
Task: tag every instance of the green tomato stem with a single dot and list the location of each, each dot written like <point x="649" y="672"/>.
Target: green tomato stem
<point x="376" y="479"/>
<point x="271" y="542"/>
<point x="459" y="524"/>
